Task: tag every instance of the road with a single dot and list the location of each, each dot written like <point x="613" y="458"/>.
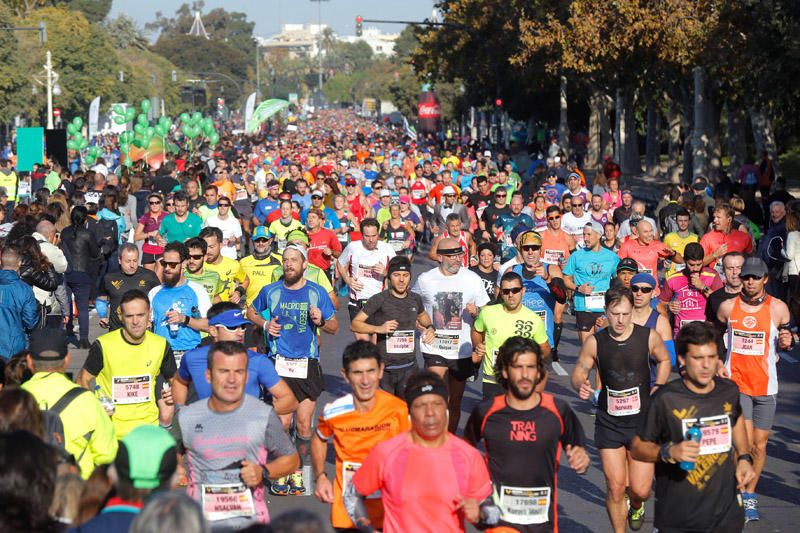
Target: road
<point x="581" y="499"/>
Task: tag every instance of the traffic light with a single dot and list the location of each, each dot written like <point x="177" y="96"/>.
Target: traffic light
<point x="359" y="22"/>
<point x="498" y="102"/>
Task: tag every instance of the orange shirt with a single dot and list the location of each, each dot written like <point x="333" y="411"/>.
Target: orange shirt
<point x="751" y="349"/>
<point x="420" y="486"/>
<point x="226" y="189"/>
<point x="555" y="249"/>
<point x="737" y="241"/>
<point x="354" y="435"/>
<point x="646" y="256"/>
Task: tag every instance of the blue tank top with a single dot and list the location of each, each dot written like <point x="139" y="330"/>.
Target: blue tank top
<point x="538" y="299"/>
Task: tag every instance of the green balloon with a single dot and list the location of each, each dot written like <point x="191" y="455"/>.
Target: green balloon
<point x="118" y="109"/>
<point x="130" y="114"/>
<point x="128" y="162"/>
<point x="186" y="118"/>
<point x="118" y="120"/>
<point x="72" y="145"/>
<point x="159" y="130"/>
<point x="145" y="105"/>
<point x="213" y="138"/>
<point x="125" y="147"/>
<point x="137" y="143"/>
<point x="142" y="119"/>
<point x="78" y="121"/>
<point x="84" y="144"/>
<point x="197" y="116"/>
<point x="71" y="129"/>
<point x="139" y="128"/>
<point x="150" y="131"/>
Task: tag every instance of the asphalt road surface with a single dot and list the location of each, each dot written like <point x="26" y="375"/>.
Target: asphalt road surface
<point x="581" y="499"/>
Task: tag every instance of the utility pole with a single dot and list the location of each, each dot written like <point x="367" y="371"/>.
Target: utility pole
<point x="49" y="78"/>
<point x="258" y="71"/>
<point x="319" y="51"/>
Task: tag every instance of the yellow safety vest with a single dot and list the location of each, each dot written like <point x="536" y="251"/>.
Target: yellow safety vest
<point x="9" y="181"/>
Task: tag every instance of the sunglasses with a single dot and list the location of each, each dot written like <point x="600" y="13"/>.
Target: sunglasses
<point x="224" y="205"/>
<point x="643" y="290"/>
<point x="155" y="202"/>
<point x="512" y="290"/>
<point x="234" y="329"/>
<point x="170" y="204"/>
<point x="531" y="248"/>
<point x="261" y="240"/>
<point x="577" y="205"/>
<point x="553" y="218"/>
<point x="196" y="257"/>
<point x="750" y="277"/>
<point x="450" y="195"/>
<point x="499" y="195"/>
<point x="170" y="264"/>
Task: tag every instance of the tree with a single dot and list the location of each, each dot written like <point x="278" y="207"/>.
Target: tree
<point x="11" y="83"/>
<point x="125" y="34"/>
<point x="93" y="10"/>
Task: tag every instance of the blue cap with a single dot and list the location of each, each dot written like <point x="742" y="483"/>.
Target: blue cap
<point x="261" y="232"/>
<point x="518" y="230"/>
<point x="645" y="278"/>
<point x="230" y="319"/>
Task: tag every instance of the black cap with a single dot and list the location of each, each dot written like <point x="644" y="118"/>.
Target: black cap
<point x="48" y="345"/>
<point x="628" y="264"/>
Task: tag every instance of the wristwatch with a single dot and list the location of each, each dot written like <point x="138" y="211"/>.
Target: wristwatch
<point x="186" y="319"/>
<point x="664" y="455"/>
<point x="264" y="473"/>
<point x="746" y="457"/>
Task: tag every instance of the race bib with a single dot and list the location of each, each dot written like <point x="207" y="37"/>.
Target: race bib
<point x="397" y="246"/>
<point x="178" y="357"/>
<point x="131" y="389"/>
<point x="241" y="194"/>
<point x="400" y="341"/>
<point x="291" y="368"/>
<point x="349" y="469"/>
<point x="521" y="505"/>
<point x="684" y="322"/>
<point x="748" y="342"/>
<point x="553" y="257"/>
<point x="716" y="433"/>
<point x="543" y="315"/>
<point x="643" y="270"/>
<point x="596" y="300"/>
<point x="224" y="501"/>
<point x="446" y="344"/>
<point x="623" y="402"/>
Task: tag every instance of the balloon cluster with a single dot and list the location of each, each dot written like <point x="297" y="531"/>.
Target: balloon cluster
<point x="76" y="140"/>
<point x="194" y="124"/>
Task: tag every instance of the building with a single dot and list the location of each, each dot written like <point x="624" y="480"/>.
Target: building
<point x="381" y="43"/>
<point x="294" y="41"/>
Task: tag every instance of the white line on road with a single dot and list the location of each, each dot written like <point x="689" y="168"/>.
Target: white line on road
<point x="788" y="357"/>
<point x="559" y="370"/>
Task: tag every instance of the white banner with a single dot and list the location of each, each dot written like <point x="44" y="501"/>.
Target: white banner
<point x="94" y="117"/>
<point x="249" y="106"/>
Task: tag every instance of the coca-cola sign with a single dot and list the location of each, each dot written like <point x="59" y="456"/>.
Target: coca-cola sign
<point x="429" y="110"/>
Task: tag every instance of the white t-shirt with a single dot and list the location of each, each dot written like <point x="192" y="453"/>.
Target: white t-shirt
<point x="361" y="261"/>
<point x="445" y="299"/>
<point x="625" y="228"/>
<point x="231" y="232"/>
<point x="574" y="225"/>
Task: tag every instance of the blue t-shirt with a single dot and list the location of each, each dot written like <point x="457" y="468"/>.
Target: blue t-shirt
<point x="260" y="372"/>
<point x="538" y="299"/>
<point x="595" y="268"/>
<point x="190" y="299"/>
<point x="265" y="207"/>
<point x="508" y="222"/>
<point x="553" y="193"/>
<point x="466" y="180"/>
<point x="331" y="220"/>
<point x="298" y="338"/>
<point x="304" y="200"/>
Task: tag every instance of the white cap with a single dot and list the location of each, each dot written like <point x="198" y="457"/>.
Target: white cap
<point x="596" y="227"/>
<point x="385" y="192"/>
<point x="344" y="163"/>
<point x="487" y="153"/>
<point x="448" y="190"/>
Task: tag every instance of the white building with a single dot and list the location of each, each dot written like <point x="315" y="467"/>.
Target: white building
<point x="381" y="43"/>
<point x="302" y="40"/>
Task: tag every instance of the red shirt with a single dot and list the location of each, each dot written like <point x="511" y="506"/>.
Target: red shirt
<point x="324" y="238"/>
<point x="405" y="472"/>
<point x="737" y="241"/>
<point x="646" y="256"/>
<point x="276" y="214"/>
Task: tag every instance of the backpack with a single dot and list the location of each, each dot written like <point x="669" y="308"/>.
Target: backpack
<point x="109" y="236"/>
<point x="54" y="427"/>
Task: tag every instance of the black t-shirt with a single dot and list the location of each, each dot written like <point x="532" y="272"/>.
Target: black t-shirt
<point x="399" y="347"/>
<point x="621" y="214"/>
<point x="489" y="280"/>
<point x="705" y="497"/>
<point x="115" y="285"/>
<point x="166" y="184"/>
<point x="713" y="303"/>
<point x="523" y="449"/>
<point x="624" y="368"/>
<point x="94" y="360"/>
<point x="491" y="213"/>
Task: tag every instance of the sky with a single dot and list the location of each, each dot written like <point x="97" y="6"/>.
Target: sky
<point x="270" y="15"/>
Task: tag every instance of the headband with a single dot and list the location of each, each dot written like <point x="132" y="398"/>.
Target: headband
<point x="450" y="251"/>
<point x="425" y="388"/>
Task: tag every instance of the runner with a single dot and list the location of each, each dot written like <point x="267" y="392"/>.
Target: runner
<point x="723" y="238"/>
<point x="130" y="365"/>
<point x="227" y="323"/>
<point x="646" y="250"/>
<point x="453" y="231"/>
<point x="486" y="268"/>
<point x="285" y="223"/>
<point x="452" y="296"/>
<point x="621" y="354"/>
<point x="257" y="268"/>
<point x="180" y="225"/>
<point x="576" y="219"/>
<point x="588" y="272"/>
<point x="323" y="247"/>
<point x="292" y="312"/>
<point x="403" y="469"/>
<point x="758" y="326"/>
<point x="233" y="443"/>
<point x="232" y="284"/>
<point x="557" y="244"/>
<point x="707" y="495"/>
<point x="130" y="276"/>
<point x="357" y="422"/>
<point x="393" y="317"/>
<point x="677" y="240"/>
<point x="523" y="432"/>
<point x="398" y="233"/>
<point x="643" y="288"/>
<point x="497" y="323"/>
<point x="362" y="266"/>
<point x="230" y="226"/>
<point x="732" y="267"/>
<point x="195" y="269"/>
<point x="505" y="223"/>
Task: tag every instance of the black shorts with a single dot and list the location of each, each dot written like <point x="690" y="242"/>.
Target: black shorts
<point x="354" y="306"/>
<point x="490" y="390"/>
<point x="149" y="259"/>
<point x="394" y="379"/>
<point x="309" y="388"/>
<point x="461" y="369"/>
<point x="610" y="434"/>
<point x="586" y="320"/>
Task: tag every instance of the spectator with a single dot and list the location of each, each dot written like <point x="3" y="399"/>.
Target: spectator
<point x="19" y="412"/>
<point x="66" y="498"/>
<point x="82" y="252"/>
<point x="791" y="270"/>
<point x="18" y="313"/>
<point x="169" y="512"/>
<point x="38" y="272"/>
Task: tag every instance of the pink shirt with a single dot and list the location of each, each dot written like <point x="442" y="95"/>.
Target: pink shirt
<point x="693" y="303"/>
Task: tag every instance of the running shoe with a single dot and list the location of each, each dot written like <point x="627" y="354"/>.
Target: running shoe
<point x="636" y="518"/>
<point x="280" y="487"/>
<point x="750" y="502"/>
<point x="296" y="486"/>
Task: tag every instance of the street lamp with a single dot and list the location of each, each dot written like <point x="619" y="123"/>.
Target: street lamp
<point x="49" y="78"/>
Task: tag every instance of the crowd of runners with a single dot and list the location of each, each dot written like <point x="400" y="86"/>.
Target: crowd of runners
<point x="216" y="281"/>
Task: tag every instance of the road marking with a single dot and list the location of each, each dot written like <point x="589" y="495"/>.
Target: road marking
<point x="788" y="357"/>
<point x="559" y="370"/>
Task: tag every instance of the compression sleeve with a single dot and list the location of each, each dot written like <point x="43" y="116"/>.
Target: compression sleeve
<point x="354" y="505"/>
<point x="558" y="290"/>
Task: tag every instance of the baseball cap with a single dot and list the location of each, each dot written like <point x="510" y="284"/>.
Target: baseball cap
<point x="487" y="153"/>
<point x="628" y="192"/>
<point x="518" y="230"/>
<point x="350" y="181"/>
<point x="628" y="264"/>
<point x="552" y="172"/>
<point x="48" y="345"/>
<point x="284" y="196"/>
<point x="317" y="194"/>
<point x="3" y="191"/>
<point x="229" y="319"/>
<point x="482" y="179"/>
<point x="754" y="266"/>
<point x="643" y="277"/>
<point x="530" y="237"/>
<point x="261" y="232"/>
<point x="404" y="199"/>
<point x="448" y="190"/>
<point x="385" y="192"/>
<point x="595" y="226"/>
<point x="399" y="263"/>
<point x="573" y="176"/>
<point x="297" y="235"/>
<point x="147" y="457"/>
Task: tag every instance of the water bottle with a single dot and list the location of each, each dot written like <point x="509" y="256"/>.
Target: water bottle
<point x="694" y="434"/>
<point x="105" y="401"/>
<point x="102" y="308"/>
<point x="173" y="328"/>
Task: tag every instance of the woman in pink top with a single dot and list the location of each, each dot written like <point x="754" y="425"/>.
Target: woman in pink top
<point x="613" y="198"/>
<point x="147" y="230"/>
